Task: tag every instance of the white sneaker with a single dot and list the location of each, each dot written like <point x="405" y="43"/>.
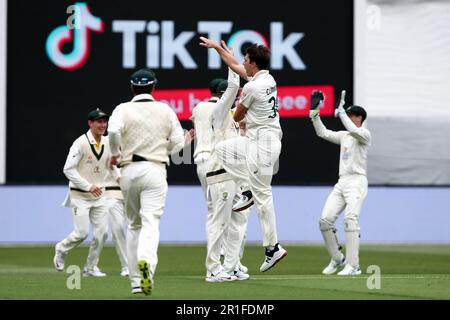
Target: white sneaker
<point x="272" y="257"/>
<point x="58" y="261"/>
<point x="95" y="272"/>
<point x="221" y="277"/>
<point x="350" y="270"/>
<point x="124" y="272"/>
<point x="240" y="275"/>
<point x="243" y="268"/>
<point x="245" y="201"/>
<point x="333" y="266"/>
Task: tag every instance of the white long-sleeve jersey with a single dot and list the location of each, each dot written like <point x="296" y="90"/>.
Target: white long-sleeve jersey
<point x="223" y="127"/>
<point x="87" y="164"/>
<point x="201" y="117"/>
<point x="145" y="128"/>
<point x="354" y="143"/>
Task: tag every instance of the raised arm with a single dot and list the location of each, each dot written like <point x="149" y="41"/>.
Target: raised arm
<point x="226" y="55"/>
<point x="317" y="99"/>
<point x="359" y="133"/>
<point x="223" y="106"/>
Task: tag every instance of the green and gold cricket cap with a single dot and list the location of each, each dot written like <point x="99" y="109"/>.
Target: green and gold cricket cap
<point x="143" y="77"/>
<point x="97" y="114"/>
<point x="214" y="84"/>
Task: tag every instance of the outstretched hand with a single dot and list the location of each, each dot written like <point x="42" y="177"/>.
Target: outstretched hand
<point x="340" y="109"/>
<point x="208" y="43"/>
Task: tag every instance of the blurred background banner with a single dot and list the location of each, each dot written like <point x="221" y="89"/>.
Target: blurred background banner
<point x="66" y="58"/>
<point x="391" y="56"/>
<point x="406" y="79"/>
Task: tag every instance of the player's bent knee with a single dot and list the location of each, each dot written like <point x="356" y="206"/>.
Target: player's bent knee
<point x="351" y="225"/>
<point x="325" y="225"/>
<point x="81" y="236"/>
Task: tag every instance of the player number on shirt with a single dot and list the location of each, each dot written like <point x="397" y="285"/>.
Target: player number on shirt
<point x="274" y="101"/>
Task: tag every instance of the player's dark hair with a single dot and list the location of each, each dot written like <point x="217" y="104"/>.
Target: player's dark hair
<point x="259" y="54"/>
<point x="142" y="89"/>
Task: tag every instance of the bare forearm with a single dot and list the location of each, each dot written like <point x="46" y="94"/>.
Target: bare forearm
<point x="226" y="55"/>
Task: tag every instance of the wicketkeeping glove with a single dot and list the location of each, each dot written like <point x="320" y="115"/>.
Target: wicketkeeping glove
<point x="340" y="109"/>
<point x="316" y="100"/>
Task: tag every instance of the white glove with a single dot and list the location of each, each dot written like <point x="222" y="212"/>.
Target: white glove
<point x="340" y="109"/>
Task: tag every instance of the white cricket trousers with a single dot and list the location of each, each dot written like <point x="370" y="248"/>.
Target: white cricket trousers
<point x="243" y="229"/>
<point x="252" y="162"/>
<point x="224" y="225"/>
<point x="203" y="166"/>
<point x="118" y="224"/>
<point x="348" y="194"/>
<point x="83" y="213"/>
<point x="144" y="187"/>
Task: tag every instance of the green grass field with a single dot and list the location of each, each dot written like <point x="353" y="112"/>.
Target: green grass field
<point x="407" y="272"/>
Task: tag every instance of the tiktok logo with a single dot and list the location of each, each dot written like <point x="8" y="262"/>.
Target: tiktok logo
<point x="76" y="30"/>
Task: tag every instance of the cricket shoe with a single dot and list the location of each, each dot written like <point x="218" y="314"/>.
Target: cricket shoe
<point x="124" y="272"/>
<point x="350" y="270"/>
<point x="58" y="261"/>
<point x="136" y="290"/>
<point x="272" y="257"/>
<point x="245" y="201"/>
<point x="333" y="266"/>
<point x="94" y="272"/>
<point x="240" y="275"/>
<point x="243" y="268"/>
<point x="222" y="276"/>
<point x="146" y="277"/>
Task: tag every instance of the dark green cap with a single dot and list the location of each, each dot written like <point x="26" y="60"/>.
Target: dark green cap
<point x="223" y="85"/>
<point x="97" y="114"/>
<point x="214" y="84"/>
<point x="143" y="77"/>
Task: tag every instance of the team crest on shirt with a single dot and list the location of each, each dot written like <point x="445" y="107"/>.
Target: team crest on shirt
<point x="225" y="195"/>
<point x="89" y="160"/>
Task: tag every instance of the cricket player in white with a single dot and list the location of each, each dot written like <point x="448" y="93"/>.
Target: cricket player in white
<point x="117" y="221"/>
<point x="351" y="189"/>
<point x="213" y="123"/>
<point x="251" y="159"/>
<point x="87" y="168"/>
<point x="222" y="190"/>
<point x="201" y="118"/>
<point x="116" y="216"/>
<point x="143" y="132"/>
